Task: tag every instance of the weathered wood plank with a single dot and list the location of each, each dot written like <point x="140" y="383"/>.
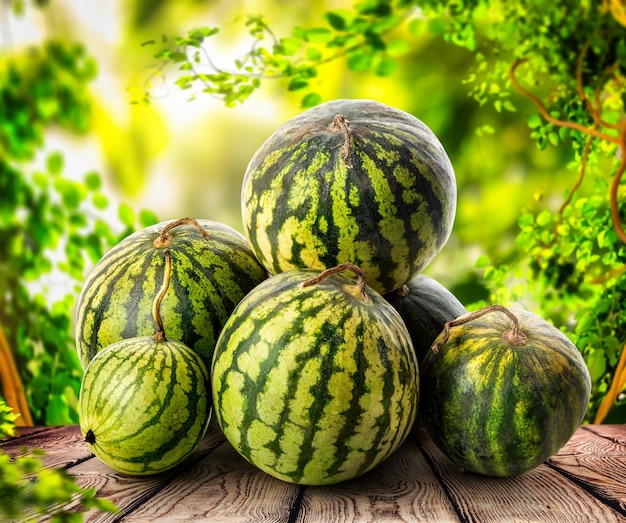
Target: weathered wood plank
<point x="595" y="459"/>
<point x="585" y="481"/>
<point x="542" y="494"/>
<point x="63" y="446"/>
<point x="408" y="492"/>
<point x="221" y="487"/>
<point x="128" y="492"/>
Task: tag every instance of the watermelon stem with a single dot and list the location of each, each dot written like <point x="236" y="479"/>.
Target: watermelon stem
<point x="164" y="238"/>
<point x="512" y="336"/>
<point x="159" y="335"/>
<point x="340" y="123"/>
<point x="402" y="291"/>
<point x="361" y="282"/>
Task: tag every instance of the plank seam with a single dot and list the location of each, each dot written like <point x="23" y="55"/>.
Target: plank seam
<point x="613" y="504"/>
<point x="439" y="478"/>
<point x="296" y="506"/>
<point x="78" y="461"/>
<point x="172" y="476"/>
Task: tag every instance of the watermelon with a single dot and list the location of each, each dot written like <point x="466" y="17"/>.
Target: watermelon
<point x="144" y="404"/>
<point x="314" y="378"/>
<point x="212" y="269"/>
<point x="350" y="181"/>
<point x="502" y="391"/>
<point x="425" y="306"/>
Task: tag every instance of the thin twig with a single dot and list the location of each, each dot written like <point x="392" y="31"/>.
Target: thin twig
<point x="547" y="116"/>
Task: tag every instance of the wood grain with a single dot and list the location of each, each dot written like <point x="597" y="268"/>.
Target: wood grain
<point x="128" y="492"/>
<point x="585" y="481"/>
<point x="63" y="446"/>
<point x="221" y="487"/>
<point x="596" y="461"/>
<point x="541" y="494"/>
<point x="409" y="492"/>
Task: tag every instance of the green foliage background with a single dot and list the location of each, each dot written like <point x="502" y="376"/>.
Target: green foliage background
<point x="243" y="74"/>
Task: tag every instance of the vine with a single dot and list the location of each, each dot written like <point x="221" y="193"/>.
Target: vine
<point x="593" y="132"/>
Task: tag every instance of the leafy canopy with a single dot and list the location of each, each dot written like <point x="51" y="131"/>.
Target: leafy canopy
<point x="52" y="226"/>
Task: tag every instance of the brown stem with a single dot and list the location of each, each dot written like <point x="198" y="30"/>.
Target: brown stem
<point x="340" y="123"/>
<point x="619" y="140"/>
<point x="11" y="387"/>
<point x="513" y="336"/>
<point x="164" y="238"/>
<point x="159" y="335"/>
<point x="611" y="274"/>
<point x="547" y="116"/>
<point x="617" y="178"/>
<point x="403" y="291"/>
<point x="568" y="200"/>
<point x="361" y="281"/>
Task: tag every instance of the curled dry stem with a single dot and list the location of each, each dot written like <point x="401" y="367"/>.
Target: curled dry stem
<point x="361" y="281"/>
<point x="159" y="335"/>
<point x="340" y="123"/>
<point x="513" y="336"/>
<point x="164" y="238"/>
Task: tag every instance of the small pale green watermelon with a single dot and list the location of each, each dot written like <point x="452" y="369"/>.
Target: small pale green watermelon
<point x="314" y="378"/>
<point x="502" y="391"/>
<point x="212" y="269"/>
<point x="144" y="404"/>
<point x="350" y="181"/>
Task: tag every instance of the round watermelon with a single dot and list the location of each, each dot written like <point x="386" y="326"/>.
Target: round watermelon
<point x="350" y="181"/>
<point x="212" y="269"/>
<point x="144" y="404"/>
<point x="314" y="378"/>
<point x="502" y="391"/>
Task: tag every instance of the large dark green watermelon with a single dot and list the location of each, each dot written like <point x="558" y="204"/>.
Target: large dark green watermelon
<point x="499" y="401"/>
<point x="350" y="181"/>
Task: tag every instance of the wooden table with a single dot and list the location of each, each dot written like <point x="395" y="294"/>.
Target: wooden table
<point x="585" y="481"/>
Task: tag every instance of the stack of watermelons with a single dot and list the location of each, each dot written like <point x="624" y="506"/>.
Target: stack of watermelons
<point x="318" y="331"/>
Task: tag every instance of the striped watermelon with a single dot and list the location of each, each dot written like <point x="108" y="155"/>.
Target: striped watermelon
<point x="314" y="378"/>
<point x="498" y="401"/>
<point x="350" y="181"/>
<point x="144" y="404"/>
<point x="212" y="269"/>
<point x="425" y="306"/>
